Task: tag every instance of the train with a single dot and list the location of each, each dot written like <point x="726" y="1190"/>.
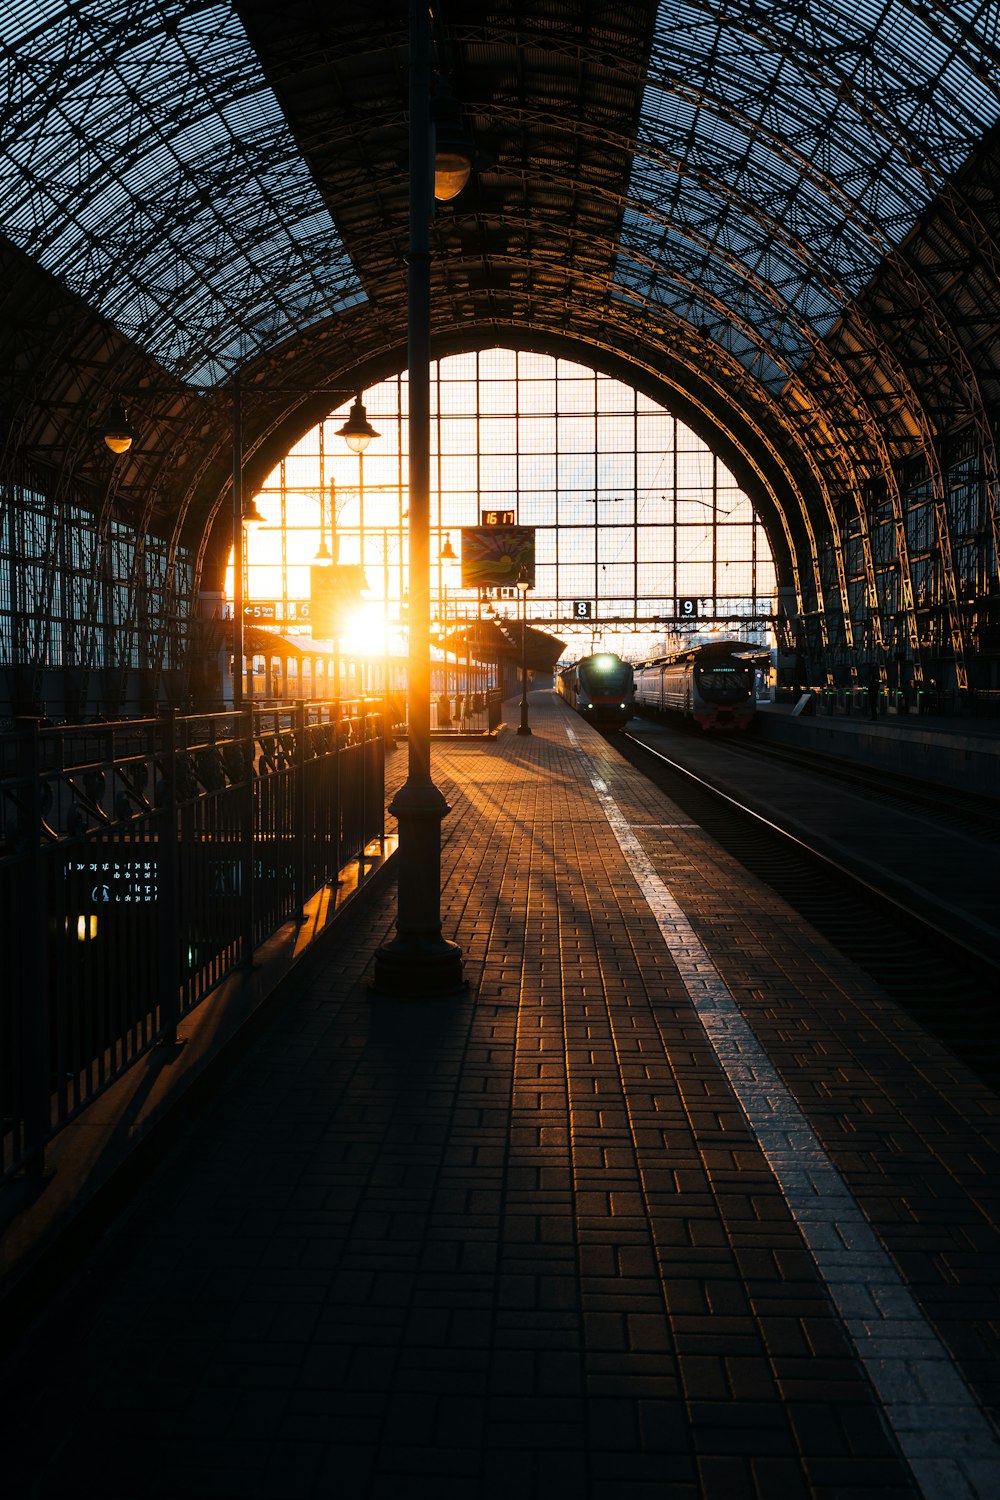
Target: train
<point x="600" y="687"/>
<point x="711" y="685"/>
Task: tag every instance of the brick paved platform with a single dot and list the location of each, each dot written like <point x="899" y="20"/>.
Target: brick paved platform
<point x="528" y="1242"/>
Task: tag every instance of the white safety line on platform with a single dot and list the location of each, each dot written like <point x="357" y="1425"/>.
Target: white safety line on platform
<point x="948" y="1441"/>
<point x="648" y="827"/>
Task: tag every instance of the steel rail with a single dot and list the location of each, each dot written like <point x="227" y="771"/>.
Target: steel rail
<point x="879" y="895"/>
<point x="952" y="805"/>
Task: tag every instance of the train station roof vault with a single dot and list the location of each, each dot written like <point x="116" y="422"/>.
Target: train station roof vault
<point x="777" y="216"/>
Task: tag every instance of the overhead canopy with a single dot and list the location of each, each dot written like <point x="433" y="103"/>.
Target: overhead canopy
<point x="494" y="641"/>
<point x="260" y="642"/>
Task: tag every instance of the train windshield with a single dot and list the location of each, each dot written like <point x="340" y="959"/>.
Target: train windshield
<point x="725" y="682"/>
<point x="609" y="674"/>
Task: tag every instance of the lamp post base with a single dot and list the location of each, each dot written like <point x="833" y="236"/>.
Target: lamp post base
<point x="419" y="964"/>
<point x="418" y="968"/>
<point x="523" y="729"/>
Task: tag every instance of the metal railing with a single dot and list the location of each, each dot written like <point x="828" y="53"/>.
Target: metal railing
<point x="465" y="713"/>
<point x="929" y="702"/>
<point x="142" y="862"/>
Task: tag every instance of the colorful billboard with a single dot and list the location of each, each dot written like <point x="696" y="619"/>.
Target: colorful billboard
<point x="496" y="556"/>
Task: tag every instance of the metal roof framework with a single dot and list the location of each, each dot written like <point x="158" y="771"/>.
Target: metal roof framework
<point x="145" y="163"/>
<point x="780" y="218"/>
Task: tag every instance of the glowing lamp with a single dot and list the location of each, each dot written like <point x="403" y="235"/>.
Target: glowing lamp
<point x="357" y="431"/>
<point x="117" y="430"/>
<point x="454" y="148"/>
<point x="252" y="516"/>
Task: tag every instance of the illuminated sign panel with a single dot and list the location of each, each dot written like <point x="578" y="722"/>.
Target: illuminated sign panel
<point x="494" y="556"/>
<point x="278" y="611"/>
<point x="113" y="882"/>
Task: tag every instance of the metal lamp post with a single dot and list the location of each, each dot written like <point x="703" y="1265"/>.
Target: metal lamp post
<point x="419" y="963"/>
<point x="523" y="585"/>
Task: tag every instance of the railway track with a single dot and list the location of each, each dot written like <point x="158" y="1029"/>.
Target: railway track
<point x="949" y="806"/>
<point x="944" y="982"/>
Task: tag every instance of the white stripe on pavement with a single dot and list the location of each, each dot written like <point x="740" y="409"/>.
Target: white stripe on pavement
<point x="949" y="1443"/>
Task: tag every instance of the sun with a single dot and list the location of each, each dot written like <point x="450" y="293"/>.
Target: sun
<point x="364" y="631"/>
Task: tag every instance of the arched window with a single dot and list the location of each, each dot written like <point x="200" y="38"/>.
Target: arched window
<point x="642" y="533"/>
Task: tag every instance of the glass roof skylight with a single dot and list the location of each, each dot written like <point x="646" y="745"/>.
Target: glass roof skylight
<point x="145" y="162"/>
<point x="801" y="139"/>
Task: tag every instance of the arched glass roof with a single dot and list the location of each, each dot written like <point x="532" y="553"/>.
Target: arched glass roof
<point x="145" y="162"/>
<point x="789" y="146"/>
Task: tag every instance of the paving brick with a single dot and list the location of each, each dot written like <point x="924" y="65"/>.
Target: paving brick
<point x="524" y="1242"/>
<point x="726" y="1479"/>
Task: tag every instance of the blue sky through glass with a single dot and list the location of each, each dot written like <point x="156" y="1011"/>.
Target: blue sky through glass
<point x="145" y="162"/>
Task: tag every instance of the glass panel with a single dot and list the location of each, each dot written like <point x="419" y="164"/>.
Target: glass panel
<point x="631" y="509"/>
<point x="76" y="593"/>
<point x="795" y="179"/>
<point x="130" y="118"/>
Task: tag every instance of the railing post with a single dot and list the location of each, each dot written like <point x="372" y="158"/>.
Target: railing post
<point x="338" y="797"/>
<point x="34" y="1000"/>
<point x="362" y="836"/>
<point x="300" y="811"/>
<point x="247" y="849"/>
<point x="168" y="855"/>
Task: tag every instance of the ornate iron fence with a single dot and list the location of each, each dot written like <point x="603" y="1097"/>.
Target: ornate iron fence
<point x="142" y="862"/>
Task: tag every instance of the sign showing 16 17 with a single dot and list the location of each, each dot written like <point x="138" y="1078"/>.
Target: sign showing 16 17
<point x="690" y="607"/>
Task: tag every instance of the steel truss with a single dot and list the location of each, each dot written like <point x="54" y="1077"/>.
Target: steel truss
<point x="147" y="165"/>
<point x="785" y="213"/>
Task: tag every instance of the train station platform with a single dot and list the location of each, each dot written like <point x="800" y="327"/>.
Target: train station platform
<point x="673" y="1203"/>
<point x="953" y="751"/>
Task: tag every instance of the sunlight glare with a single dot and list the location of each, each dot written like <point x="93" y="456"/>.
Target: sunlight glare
<point x="365" y="633"/>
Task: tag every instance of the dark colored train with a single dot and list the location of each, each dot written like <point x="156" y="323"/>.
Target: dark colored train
<point x="601" y="687"/>
<point x="711" y="685"/>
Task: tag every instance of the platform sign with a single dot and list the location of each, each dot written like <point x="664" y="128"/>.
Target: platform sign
<point x="497" y="517"/>
<point x="277" y="611"/>
<point x="582" y="609"/>
<point x="97" y="882"/>
<point x="335" y="594"/>
<point x="495" y="556"/>
<point x="690" y="607"/>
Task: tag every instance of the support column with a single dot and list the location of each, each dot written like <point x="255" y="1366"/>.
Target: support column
<point x="419" y="962"/>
